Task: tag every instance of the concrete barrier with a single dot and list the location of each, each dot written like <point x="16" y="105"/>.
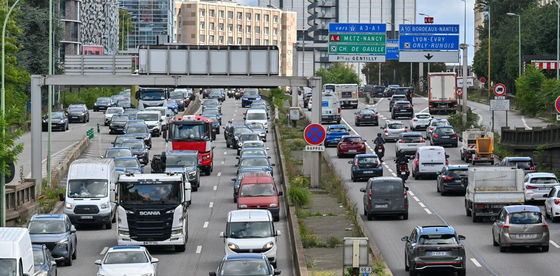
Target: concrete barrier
<point x="59" y="171"/>
<point x="194" y="106"/>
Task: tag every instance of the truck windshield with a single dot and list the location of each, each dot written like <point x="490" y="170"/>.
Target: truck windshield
<point x="161" y="193"/>
<point x="255" y="229"/>
<point x="148" y="116"/>
<point x="46" y="227"/>
<point x="188" y="132"/>
<point x="153" y="95"/>
<point x="87" y="188"/>
<point x="180" y="160"/>
<point x="8" y="267"/>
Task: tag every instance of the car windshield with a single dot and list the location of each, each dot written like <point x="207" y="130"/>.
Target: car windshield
<point x="398" y="97"/>
<point x="253" y="190"/>
<point x="148" y="116"/>
<point x="131" y="111"/>
<point x="256" y="116"/>
<point x="521" y="164"/>
<point x="544" y="180"/>
<point x="241" y="130"/>
<point x="188" y="132"/>
<point x="57" y="115"/>
<point x="445" y="130"/>
<point x="137" y="130"/>
<point x="87" y="188"/>
<point x="127" y="163"/>
<point x="124" y="257"/>
<point x="367" y="111"/>
<point x="525" y="218"/>
<point x="251" y="93"/>
<point x="160" y="193"/>
<point x="244" y="267"/>
<point x="211" y="111"/>
<point x="338" y="129"/>
<point x="423" y="116"/>
<point x="112" y="153"/>
<point x="181" y="160"/>
<point x="133" y="144"/>
<point x="256" y="126"/>
<point x="352" y="139"/>
<point x="254" y="162"/>
<point x="121" y="138"/>
<point x="8" y="267"/>
<point x="253" y="229"/>
<point x="253" y="145"/>
<point x="367" y="162"/>
<point x="75" y="109"/>
<point x="395" y="126"/>
<point x="252" y="152"/>
<point x="38" y="258"/>
<point x="176" y="95"/>
<point x="437" y="239"/>
<point x="103" y="101"/>
<point x="119" y="119"/>
<point x="411" y="139"/>
<point x="258" y="106"/>
<point x="458" y="173"/>
<point x="384" y="188"/>
<point x="249" y="137"/>
<point x="211" y="102"/>
<point x="114" y="110"/>
<point x="440" y="123"/>
<point x="46" y="227"/>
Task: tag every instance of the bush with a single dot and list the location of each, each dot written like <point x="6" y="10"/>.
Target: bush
<point x="332" y="242"/>
<point x="299" y="196"/>
<point x="456" y="120"/>
<point x="88" y="96"/>
<point x="296" y="144"/>
<point x="312" y="240"/>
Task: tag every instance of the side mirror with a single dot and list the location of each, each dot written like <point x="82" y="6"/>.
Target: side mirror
<point x="101" y="156"/>
<point x="237" y="165"/>
<point x="237" y="157"/>
<point x="405" y="238"/>
<point x="349" y="162"/>
<point x="53" y="264"/>
<point x="272" y="165"/>
<point x="447" y="156"/>
<point x="363" y="190"/>
<point x="61" y="197"/>
<point x="73" y="229"/>
<point x="212" y="273"/>
<point x="222" y="235"/>
<point x="382" y="127"/>
<point x="280" y="193"/>
<point x="269" y="157"/>
<point x="98" y="262"/>
<point x="277" y="271"/>
<point x="462" y="238"/>
<point x="155" y="260"/>
<point x="161" y="120"/>
<point x="233" y="179"/>
<point x="278" y="233"/>
<point x="406" y="189"/>
<point x="438" y="173"/>
<point x="267" y="148"/>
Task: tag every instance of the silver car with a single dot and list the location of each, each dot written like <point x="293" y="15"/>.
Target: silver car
<point x="392" y="130"/>
<point x="127" y="260"/>
<point x="520" y="225"/>
<point x="420" y="121"/>
<point x="409" y="142"/>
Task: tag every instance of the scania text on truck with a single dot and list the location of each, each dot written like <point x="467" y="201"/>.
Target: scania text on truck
<point x="148" y="97"/>
<point x="192" y="132"/>
<point x="152" y="210"/>
<point x="442" y="92"/>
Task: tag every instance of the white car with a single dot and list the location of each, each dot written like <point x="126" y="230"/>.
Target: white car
<point x="537" y="185"/>
<point x="112" y="111"/>
<point x="420" y="121"/>
<point x="409" y="142"/>
<point x="165" y="113"/>
<point x="435" y="123"/>
<point x="127" y="260"/>
<point x="310" y="104"/>
<point x="552" y="204"/>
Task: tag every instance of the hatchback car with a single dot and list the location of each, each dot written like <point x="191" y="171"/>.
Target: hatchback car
<point x="307" y="97"/>
<point x="218" y="94"/>
<point x="118" y="123"/>
<point x="232" y="134"/>
<point x="385" y="196"/>
<point x="366" y="116"/>
<point x="258" y="128"/>
<point x="127" y="260"/>
<point x="402" y="109"/>
<point x="552" y="204"/>
<point x="420" y="121"/>
<point x="520" y="225"/>
<point x="245" y="264"/>
<point x="252" y="152"/>
<point x="334" y="133"/>
<point x="213" y="111"/>
<point x="117" y="152"/>
<point x="394" y="99"/>
<point x="434" y="248"/>
<point x="392" y="130"/>
<point x="247" y="137"/>
<point x="78" y="113"/>
<point x="525" y="163"/>
<point x="444" y="135"/>
<point x="260" y="162"/>
<point x="112" y="111"/>
<point x="140" y="131"/>
<point x="241" y="173"/>
<point x="139" y="149"/>
<point x="409" y="142"/>
<point x="365" y="166"/>
<point x="259" y="192"/>
<point x="350" y="145"/>
<point x="211" y="103"/>
<point x="102" y="103"/>
<point x="435" y="123"/>
<point x="57" y="233"/>
<point x="537" y="185"/>
<point x="452" y="178"/>
<point x="249" y="96"/>
<point x="43" y="262"/>
<point x="59" y="121"/>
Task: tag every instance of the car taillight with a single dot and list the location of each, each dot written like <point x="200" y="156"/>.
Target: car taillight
<point x="421" y="249"/>
<point x="380" y="147"/>
<point x="505" y="226"/>
<point x="436" y="136"/>
<point x="339" y="110"/>
<point x="557" y="201"/>
<point x="360" y="116"/>
<point x="480" y="206"/>
<point x="431" y="128"/>
<point x="386" y="131"/>
<point x="446" y="161"/>
<point x="410" y="106"/>
<point x="369" y="194"/>
<point x="448" y="178"/>
<point x="356" y="163"/>
<point x="405" y="195"/>
<point x="530" y="187"/>
<point x="455" y="135"/>
<point x="405" y="130"/>
<point x="416" y="163"/>
<point x="415" y="120"/>
<point x="375" y="116"/>
<point x="533" y="168"/>
<point x="422" y="141"/>
<point x="401" y="141"/>
<point x="430" y="106"/>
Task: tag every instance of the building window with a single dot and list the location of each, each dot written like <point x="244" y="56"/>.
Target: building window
<point x="275" y="19"/>
<point x="221" y="27"/>
<point x="239" y="40"/>
<point x="275" y="42"/>
<point x="230" y="28"/>
<point x="201" y="12"/>
<point x="266" y="30"/>
<point x="230" y="40"/>
<point x="212" y="13"/>
<point x="266" y="18"/>
<point x="266" y="42"/>
<point x="289" y="40"/>
<point x="221" y="40"/>
<point x="248" y="41"/>
<point x="202" y="26"/>
<point x="289" y="28"/>
<point x="221" y="14"/>
<point x="257" y="41"/>
<point x="202" y="37"/>
<point x="239" y="28"/>
<point x="211" y="27"/>
<point x="257" y="29"/>
<point x="239" y="16"/>
<point x="248" y="17"/>
<point x="230" y="15"/>
<point x="211" y="39"/>
<point x="274" y="30"/>
<point x="289" y="52"/>
<point x="258" y="17"/>
<point x="248" y="29"/>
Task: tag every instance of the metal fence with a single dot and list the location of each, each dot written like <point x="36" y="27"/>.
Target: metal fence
<point x="522" y="138"/>
<point x="98" y="65"/>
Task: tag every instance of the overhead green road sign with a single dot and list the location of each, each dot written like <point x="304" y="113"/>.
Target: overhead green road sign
<point x="357" y="38"/>
<point x="356" y="49"/>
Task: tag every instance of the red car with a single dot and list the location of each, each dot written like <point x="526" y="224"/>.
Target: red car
<point x="350" y="145"/>
<point x="259" y="192"/>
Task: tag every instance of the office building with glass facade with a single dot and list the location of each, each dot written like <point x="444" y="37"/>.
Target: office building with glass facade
<point x="151" y="19"/>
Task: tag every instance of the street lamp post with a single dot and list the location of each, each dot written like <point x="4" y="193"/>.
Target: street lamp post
<point x="519" y="47"/>
<point x="427" y="15"/>
<point x="558" y="40"/>
<point x="464" y="27"/>
<point x="404" y="19"/>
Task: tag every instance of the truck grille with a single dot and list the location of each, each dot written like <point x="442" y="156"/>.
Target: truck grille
<point x="150" y="228"/>
<point x="86" y="209"/>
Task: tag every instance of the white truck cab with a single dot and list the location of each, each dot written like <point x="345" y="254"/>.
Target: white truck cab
<point x="153" y="120"/>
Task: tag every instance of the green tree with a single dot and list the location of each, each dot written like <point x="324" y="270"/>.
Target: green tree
<point x="339" y="73"/>
<point x="528" y="90"/>
<point x="395" y="72"/>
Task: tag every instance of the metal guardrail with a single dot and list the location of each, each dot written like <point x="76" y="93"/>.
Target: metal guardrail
<point x="522" y="138"/>
<point x="97" y="65"/>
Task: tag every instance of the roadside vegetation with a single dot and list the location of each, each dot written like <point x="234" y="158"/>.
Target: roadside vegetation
<point x="88" y="96"/>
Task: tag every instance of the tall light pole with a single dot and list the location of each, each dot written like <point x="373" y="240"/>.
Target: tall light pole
<point x="427" y="15"/>
<point x="464" y="27"/>
<point x="519" y="18"/>
<point x="49" y="98"/>
<point x="403" y="20"/>
<point x="3" y="106"/>
<point x="489" y="52"/>
<point x="558" y="40"/>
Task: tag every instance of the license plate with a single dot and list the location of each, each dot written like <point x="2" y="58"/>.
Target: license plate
<point x="367" y="117"/>
<point x="368" y="172"/>
<point x="86" y="217"/>
<point x="438" y="253"/>
<point x="380" y="205"/>
<point x="150" y="243"/>
<point x="428" y="166"/>
<point x="543" y="189"/>
<point x="352" y="150"/>
<point x="403" y="173"/>
<point x="445" y="136"/>
<point x="526" y="236"/>
<point x="74" y="117"/>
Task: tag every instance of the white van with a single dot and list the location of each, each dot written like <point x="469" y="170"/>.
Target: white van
<point x="330" y="108"/>
<point x="16" y="256"/>
<point x="251" y="231"/>
<point x="428" y="161"/>
<point x="164" y="113"/>
<point x="153" y="121"/>
<point x="90" y="192"/>
<point x="256" y="116"/>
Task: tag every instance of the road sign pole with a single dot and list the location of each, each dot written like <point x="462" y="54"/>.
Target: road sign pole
<point x="316" y="85"/>
<point x="465" y="47"/>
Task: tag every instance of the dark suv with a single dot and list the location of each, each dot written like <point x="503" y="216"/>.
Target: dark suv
<point x="232" y="133"/>
<point x="57" y="233"/>
<point x="434" y="248"/>
<point x="78" y="112"/>
<point x="395" y="98"/>
<point x="402" y="109"/>
<point x="453" y="178"/>
<point x="525" y="163"/>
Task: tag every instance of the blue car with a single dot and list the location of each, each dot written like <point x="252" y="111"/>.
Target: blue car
<point x="334" y="133"/>
<point x="43" y="262"/>
<point x="261" y="162"/>
<point x="365" y="166"/>
<point x="173" y="106"/>
<point x="57" y="233"/>
<point x="249" y="96"/>
<point x="128" y="164"/>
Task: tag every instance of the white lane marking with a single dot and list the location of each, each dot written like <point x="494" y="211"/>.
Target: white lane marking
<point x="415" y="198"/>
<point x="411" y="193"/>
<point x="225" y="153"/>
<point x="223" y="162"/>
<point x="84" y="124"/>
<point x="104" y="250"/>
<point x="215" y="188"/>
<point x="211" y="205"/>
<point x="198" y="249"/>
<point x="554" y="244"/>
<point x="475" y="262"/>
<point x="234" y="114"/>
<point x="428" y="211"/>
<point x="525" y="122"/>
<point x="53" y="155"/>
<point x="205" y="224"/>
<point x="423" y="110"/>
<point x="236" y="111"/>
<point x="220" y="173"/>
<point x="380" y="101"/>
<point x="421" y="204"/>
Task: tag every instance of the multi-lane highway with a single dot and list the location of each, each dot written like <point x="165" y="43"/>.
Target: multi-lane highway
<point x="427" y="207"/>
<point x="207" y="214"/>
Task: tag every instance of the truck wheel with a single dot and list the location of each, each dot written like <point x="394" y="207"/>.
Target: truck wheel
<point x="194" y="188"/>
<point x="207" y="171"/>
<point x="180" y="248"/>
<point x="462" y="155"/>
<point x="468" y="211"/>
<point x="474" y="217"/>
<point x="405" y="216"/>
<point x="369" y="216"/>
<point x="114" y="218"/>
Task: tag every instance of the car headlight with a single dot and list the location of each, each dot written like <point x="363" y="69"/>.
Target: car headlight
<point x="245" y="99"/>
<point x="112" y="125"/>
<point x="236" y="137"/>
<point x="242" y="206"/>
<point x="104" y="205"/>
<point x="177" y="232"/>
<point x="232" y="246"/>
<point x="123" y="233"/>
<point x="205" y="157"/>
<point x="192" y="173"/>
<point x="68" y="205"/>
<point x="268" y="245"/>
<point x="95" y="104"/>
<point x="273" y="204"/>
<point x="62" y="243"/>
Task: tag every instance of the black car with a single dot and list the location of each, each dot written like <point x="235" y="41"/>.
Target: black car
<point x="140" y="131"/>
<point x="59" y="121"/>
<point x="444" y="135"/>
<point x="402" y="109"/>
<point x="43" y="261"/>
<point x="179" y="98"/>
<point x="139" y="149"/>
<point x="102" y="103"/>
<point x="306" y="97"/>
<point x="378" y="91"/>
<point x="218" y="94"/>
<point x="395" y="98"/>
<point x="118" y="123"/>
<point x="453" y="178"/>
<point x="366" y="116"/>
<point x="233" y="133"/>
<point x="57" y="233"/>
<point x="78" y="112"/>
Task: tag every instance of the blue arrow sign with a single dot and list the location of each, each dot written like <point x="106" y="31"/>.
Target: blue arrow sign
<point x="428" y="42"/>
<point x="357" y="28"/>
<point x="392" y="53"/>
<point x="429" y="29"/>
<point x="392" y="41"/>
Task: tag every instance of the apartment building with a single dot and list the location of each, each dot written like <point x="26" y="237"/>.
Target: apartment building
<point x="229" y="23"/>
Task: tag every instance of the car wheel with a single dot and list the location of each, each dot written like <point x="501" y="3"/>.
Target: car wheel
<point x="502" y="248"/>
<point x="67" y="127"/>
<point x="437" y="187"/>
<point x="462" y="156"/>
<point x="365" y="211"/>
<point x="75" y="254"/>
<point x="357" y="123"/>
<point x="369" y="216"/>
<point x="554" y="219"/>
<point x="338" y="154"/>
<point x="462" y="272"/>
<point x="277" y="218"/>
<point x="494" y="243"/>
<point x="405" y="216"/>
<point x="234" y="199"/>
<point x="474" y="217"/>
<point x="406" y="267"/>
<point x="109" y="225"/>
<point x="194" y="188"/>
<point x="545" y="248"/>
<point x="468" y="211"/>
<point x="180" y="248"/>
<point x="207" y="171"/>
<point x="546" y="215"/>
<point x="412" y="273"/>
<point x="416" y="176"/>
<point x="68" y="261"/>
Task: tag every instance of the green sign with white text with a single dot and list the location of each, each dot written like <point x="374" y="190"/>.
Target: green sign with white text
<point x="357" y="49"/>
<point x="357" y="38"/>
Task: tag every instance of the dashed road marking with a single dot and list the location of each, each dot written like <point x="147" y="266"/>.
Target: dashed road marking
<point x="421" y="204"/>
<point x="198" y="249"/>
<point x="475" y="262"/>
<point x="554" y="244"/>
<point x="220" y="173"/>
<point x="215" y="188"/>
<point x="525" y="123"/>
<point x="223" y="162"/>
<point x="424" y="110"/>
<point x="416" y="198"/>
<point x="225" y="153"/>
<point x="104" y="250"/>
<point x="205" y="224"/>
<point x="211" y="205"/>
<point x="411" y="193"/>
<point x="428" y="211"/>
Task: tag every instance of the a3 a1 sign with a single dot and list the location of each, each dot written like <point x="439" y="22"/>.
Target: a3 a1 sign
<point x="428" y="20"/>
